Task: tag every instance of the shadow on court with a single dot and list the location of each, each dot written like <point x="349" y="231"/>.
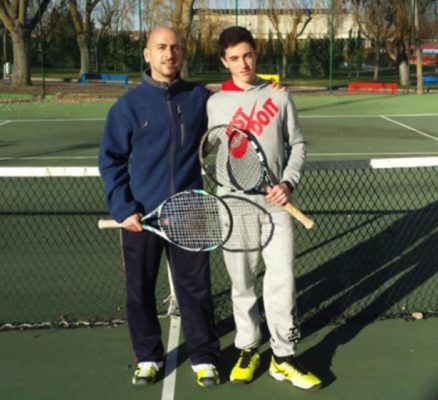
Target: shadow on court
<point x="390" y="266"/>
<point x="387" y="266"/>
<point x="358" y="287"/>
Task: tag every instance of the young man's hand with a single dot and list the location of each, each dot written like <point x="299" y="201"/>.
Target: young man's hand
<point x="278" y="194"/>
<point x="275" y="85"/>
<point x="132" y="223"/>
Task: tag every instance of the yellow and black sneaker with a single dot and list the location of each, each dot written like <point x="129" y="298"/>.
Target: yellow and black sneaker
<point x="243" y="370"/>
<point x="146" y="373"/>
<point x="288" y="368"/>
<point x="206" y="375"/>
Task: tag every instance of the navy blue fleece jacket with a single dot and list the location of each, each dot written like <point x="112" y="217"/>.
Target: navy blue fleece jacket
<point x="149" y="149"/>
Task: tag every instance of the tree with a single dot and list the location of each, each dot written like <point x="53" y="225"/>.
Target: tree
<point x="423" y="25"/>
<point x="210" y="23"/>
<point x="396" y="44"/>
<point x="353" y="53"/>
<point x="4" y="45"/>
<point x="83" y="26"/>
<point x="292" y="14"/>
<point x="375" y="20"/>
<point x="59" y="35"/>
<point x="182" y="21"/>
<point x="114" y="19"/>
<point x="389" y="24"/>
<point x="20" y="18"/>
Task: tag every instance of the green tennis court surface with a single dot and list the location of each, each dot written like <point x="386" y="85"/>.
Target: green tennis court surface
<point x="372" y="256"/>
<point x="386" y="360"/>
<point x="336" y="127"/>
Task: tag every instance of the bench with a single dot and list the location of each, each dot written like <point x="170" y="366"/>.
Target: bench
<point x="430" y="79"/>
<point x="373" y="86"/>
<point x="85" y="78"/>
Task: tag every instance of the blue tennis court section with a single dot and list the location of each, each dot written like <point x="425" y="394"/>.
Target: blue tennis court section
<point x="366" y="275"/>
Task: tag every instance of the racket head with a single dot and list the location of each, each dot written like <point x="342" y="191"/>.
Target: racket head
<point x="253" y="226"/>
<point x="234" y="159"/>
<point x="194" y="220"/>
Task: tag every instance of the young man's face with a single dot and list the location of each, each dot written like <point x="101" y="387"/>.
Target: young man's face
<point x="164" y="54"/>
<point x="241" y="61"/>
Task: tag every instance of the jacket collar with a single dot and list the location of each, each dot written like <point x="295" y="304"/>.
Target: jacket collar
<point x="162" y="85"/>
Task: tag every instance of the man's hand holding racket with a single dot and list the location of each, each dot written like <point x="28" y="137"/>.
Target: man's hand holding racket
<point x="199" y="221"/>
<point x="133" y="223"/>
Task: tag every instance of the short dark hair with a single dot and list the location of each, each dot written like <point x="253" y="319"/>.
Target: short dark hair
<point x="234" y="35"/>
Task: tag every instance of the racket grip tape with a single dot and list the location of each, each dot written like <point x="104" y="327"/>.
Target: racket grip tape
<point x="108" y="224"/>
<point x="299" y="216"/>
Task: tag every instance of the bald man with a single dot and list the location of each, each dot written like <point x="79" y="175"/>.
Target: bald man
<point x="148" y="153"/>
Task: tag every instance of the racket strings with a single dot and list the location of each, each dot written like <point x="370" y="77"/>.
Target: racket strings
<point x="195" y="220"/>
<point x="245" y="172"/>
<point x="253" y="226"/>
<point x="231" y="159"/>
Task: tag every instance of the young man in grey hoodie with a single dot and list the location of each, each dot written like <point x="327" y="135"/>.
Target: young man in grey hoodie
<point x="249" y="102"/>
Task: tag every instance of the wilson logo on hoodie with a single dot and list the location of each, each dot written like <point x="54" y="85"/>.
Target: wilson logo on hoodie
<point x="256" y="119"/>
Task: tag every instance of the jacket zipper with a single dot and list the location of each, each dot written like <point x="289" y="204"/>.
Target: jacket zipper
<point x="172" y="142"/>
<point x="181" y="123"/>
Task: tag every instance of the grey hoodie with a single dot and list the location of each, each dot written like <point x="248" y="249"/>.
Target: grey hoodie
<point x="271" y="116"/>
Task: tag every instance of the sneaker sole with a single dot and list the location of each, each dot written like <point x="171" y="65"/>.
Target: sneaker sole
<point x="240" y="381"/>
<point x="142" y="382"/>
<point x="207" y="384"/>
<point x="280" y="377"/>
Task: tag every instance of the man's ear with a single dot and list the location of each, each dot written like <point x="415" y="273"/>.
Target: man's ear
<point x="224" y="62"/>
<point x="146" y="54"/>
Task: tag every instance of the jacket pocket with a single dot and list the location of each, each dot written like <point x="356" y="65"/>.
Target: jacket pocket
<point x="181" y="123"/>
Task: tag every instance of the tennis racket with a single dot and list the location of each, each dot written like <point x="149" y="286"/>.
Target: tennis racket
<point x="193" y="220"/>
<point x="253" y="226"/>
<point x="234" y="159"/>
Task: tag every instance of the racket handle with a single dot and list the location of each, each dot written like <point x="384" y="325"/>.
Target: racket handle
<point x="299" y="216"/>
<point x="108" y="224"/>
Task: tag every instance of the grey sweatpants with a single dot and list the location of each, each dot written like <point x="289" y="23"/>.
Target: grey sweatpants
<point x="279" y="296"/>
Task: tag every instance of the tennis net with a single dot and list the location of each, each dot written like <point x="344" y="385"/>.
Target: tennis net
<point x="371" y="255"/>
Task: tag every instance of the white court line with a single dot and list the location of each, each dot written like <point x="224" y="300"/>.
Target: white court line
<point x="48" y="171"/>
<point x="50" y="158"/>
<point x="367" y="116"/>
<point x="57" y="120"/>
<point x="168" y="392"/>
<point x="371" y="153"/>
<point x="426" y="153"/>
<point x="410" y="128"/>
<point x="301" y="116"/>
<point x="4" y="123"/>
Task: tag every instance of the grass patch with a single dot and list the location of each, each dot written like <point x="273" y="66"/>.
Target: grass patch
<point x="17" y="96"/>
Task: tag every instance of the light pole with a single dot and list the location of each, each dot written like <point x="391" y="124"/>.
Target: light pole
<point x="417" y="46"/>
<point x="332" y="12"/>
<point x="140" y="38"/>
<point x="43" y="67"/>
<point x="236" y="11"/>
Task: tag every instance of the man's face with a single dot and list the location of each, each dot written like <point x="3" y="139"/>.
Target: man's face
<point x="241" y="61"/>
<point x="164" y="54"/>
